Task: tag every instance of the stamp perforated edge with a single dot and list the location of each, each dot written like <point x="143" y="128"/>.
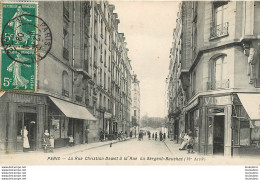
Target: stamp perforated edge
<point x="1" y="47"/>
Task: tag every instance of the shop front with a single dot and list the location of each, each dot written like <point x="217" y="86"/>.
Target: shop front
<point x="66" y="119"/>
<point x="22" y="118"/>
<point x="246" y="125"/>
<point x="190" y="122"/>
<point x="108" y="126"/>
<point x="215" y="133"/>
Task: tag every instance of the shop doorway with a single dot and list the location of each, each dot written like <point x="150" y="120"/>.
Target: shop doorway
<point x="28" y="121"/>
<point x="218" y="135"/>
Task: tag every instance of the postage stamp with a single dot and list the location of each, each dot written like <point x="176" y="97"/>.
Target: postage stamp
<point x="16" y="75"/>
<point x="18" y="24"/>
<point x="25" y="40"/>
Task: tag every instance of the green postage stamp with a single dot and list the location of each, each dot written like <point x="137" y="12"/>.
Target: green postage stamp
<point x="16" y="75"/>
<point x="18" y="46"/>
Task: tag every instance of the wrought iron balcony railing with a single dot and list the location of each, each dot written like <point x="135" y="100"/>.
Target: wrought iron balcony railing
<point x="66" y="13"/>
<point x="218" y="31"/>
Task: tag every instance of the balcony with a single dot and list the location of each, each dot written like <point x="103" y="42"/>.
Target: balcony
<point x="65" y="93"/>
<point x="218" y="31"/>
<point x="66" y="13"/>
<point x="218" y="85"/>
<point x="102" y="108"/>
<point x="65" y="53"/>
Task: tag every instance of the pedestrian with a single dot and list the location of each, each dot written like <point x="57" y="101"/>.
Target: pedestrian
<point x="149" y="135"/>
<point x="46" y="141"/>
<point x="26" y="145"/>
<point x="155" y="136"/>
<point x="164" y="136"/>
<point x="51" y="143"/>
<point x="160" y="135"/>
<point x="71" y="141"/>
<point x="101" y="134"/>
<point x="131" y="134"/>
<point x="86" y="134"/>
<point x="184" y="142"/>
<point x="190" y="144"/>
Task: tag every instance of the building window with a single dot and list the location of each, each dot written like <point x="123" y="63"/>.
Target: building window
<point x="219" y="26"/>
<point x="95" y="57"/>
<point x="65" y="84"/>
<point x="102" y="24"/>
<point x="105" y="59"/>
<point x="87" y="95"/>
<point x="100" y="75"/>
<point x="95" y="26"/>
<point x="65" y="40"/>
<point x="218" y="73"/>
<point x="194" y="83"/>
<point x="105" y="35"/>
<point x="105" y="78"/>
<point x="109" y="64"/>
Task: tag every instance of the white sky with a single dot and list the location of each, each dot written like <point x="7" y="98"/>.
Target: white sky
<point x="148" y="28"/>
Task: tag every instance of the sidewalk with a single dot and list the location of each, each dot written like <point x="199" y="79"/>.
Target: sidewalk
<point x="63" y="151"/>
<point x="174" y="148"/>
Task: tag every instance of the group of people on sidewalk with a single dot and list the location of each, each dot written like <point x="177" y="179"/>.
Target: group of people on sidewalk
<point x="187" y="141"/>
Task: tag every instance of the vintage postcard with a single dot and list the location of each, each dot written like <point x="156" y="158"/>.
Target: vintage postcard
<point x="130" y="83"/>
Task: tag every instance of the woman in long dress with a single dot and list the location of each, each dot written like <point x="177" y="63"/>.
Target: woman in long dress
<point x="15" y="67"/>
<point x="26" y="144"/>
<point x="19" y="34"/>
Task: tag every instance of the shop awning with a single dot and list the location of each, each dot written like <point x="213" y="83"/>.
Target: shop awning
<point x="251" y="103"/>
<point x="2" y="93"/>
<point x="72" y="110"/>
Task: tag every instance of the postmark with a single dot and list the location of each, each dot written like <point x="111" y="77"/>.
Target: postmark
<point x="22" y="29"/>
<point x="16" y="75"/>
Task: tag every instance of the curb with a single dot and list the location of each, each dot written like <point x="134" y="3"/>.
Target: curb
<point x="97" y="146"/>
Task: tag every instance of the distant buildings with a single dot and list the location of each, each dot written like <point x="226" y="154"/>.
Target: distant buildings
<point x="84" y="83"/>
<point x="214" y="72"/>
<point x="135" y="103"/>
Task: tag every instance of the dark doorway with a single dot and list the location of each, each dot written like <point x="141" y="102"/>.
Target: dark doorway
<point x="31" y="124"/>
<point x="28" y="120"/>
<point x="218" y="135"/>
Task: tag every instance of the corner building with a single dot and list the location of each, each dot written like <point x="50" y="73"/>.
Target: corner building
<point x="84" y="83"/>
<point x="220" y="72"/>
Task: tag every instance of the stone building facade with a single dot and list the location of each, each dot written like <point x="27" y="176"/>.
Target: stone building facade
<point x="135" y="112"/>
<point x="84" y="83"/>
<point x="219" y="75"/>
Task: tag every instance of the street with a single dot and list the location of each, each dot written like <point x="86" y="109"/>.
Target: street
<point x="128" y="152"/>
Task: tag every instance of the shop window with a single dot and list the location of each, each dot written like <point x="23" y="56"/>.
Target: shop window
<point x="219" y="27"/>
<point x="218" y="73"/>
<point x="65" y="84"/>
<point x="244" y="133"/>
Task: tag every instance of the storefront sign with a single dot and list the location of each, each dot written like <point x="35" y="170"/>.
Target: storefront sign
<point x="223" y="100"/>
<point x="24" y="98"/>
<point x="192" y="104"/>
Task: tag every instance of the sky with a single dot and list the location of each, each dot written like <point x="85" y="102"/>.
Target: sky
<point x="148" y="29"/>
